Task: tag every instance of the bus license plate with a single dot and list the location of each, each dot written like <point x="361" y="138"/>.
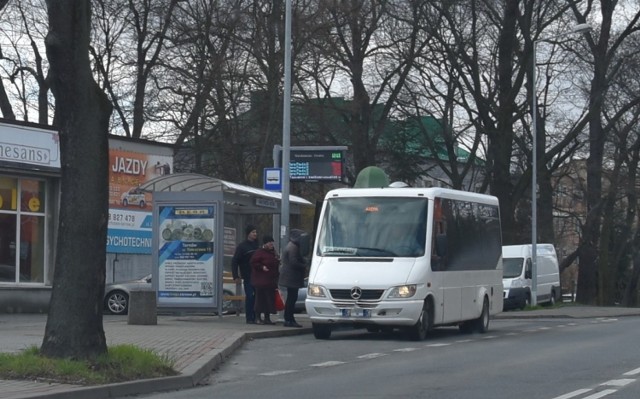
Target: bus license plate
<point x="356" y="313"/>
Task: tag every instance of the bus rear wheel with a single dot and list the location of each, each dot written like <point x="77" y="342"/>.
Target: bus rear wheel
<point x="481" y="324"/>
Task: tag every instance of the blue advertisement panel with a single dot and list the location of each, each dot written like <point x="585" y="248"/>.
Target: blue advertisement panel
<point x="129" y="232"/>
<point x="186" y="257"/>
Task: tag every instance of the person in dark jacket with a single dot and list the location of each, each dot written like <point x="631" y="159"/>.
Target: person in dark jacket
<point x="292" y="275"/>
<point x="264" y="277"/>
<point x="241" y="268"/>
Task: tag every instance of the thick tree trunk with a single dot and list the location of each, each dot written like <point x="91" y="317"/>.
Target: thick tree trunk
<point x="501" y="140"/>
<point x="74" y="326"/>
<point x="588" y="250"/>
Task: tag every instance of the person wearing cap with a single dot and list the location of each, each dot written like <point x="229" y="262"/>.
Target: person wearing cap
<point x="264" y="276"/>
<point x="241" y="268"/>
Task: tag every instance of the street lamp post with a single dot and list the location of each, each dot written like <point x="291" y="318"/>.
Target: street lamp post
<point x="581" y="28"/>
<point x="286" y="131"/>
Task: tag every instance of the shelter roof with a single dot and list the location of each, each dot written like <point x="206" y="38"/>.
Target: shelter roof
<point x="197" y="182"/>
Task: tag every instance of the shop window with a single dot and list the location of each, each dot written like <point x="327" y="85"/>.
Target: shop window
<point x="8" y="193"/>
<point x="31" y="249"/>
<point x="32" y="195"/>
<point x="22" y="230"/>
<point x="8" y="247"/>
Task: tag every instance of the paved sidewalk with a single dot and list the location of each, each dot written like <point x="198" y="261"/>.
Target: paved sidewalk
<point x="198" y="344"/>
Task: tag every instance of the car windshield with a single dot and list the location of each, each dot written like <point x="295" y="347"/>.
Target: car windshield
<point x="374" y="227"/>
<point x="512" y="267"/>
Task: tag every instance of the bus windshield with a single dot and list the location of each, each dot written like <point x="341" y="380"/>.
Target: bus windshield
<point x="374" y="227"/>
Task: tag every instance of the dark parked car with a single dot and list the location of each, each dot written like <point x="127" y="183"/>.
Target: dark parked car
<point x="116" y="295"/>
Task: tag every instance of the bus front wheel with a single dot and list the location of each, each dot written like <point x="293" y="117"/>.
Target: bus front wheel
<point x="321" y="331"/>
<point x="418" y="332"/>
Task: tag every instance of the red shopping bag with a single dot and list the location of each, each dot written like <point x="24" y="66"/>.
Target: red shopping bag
<point x="279" y="301"/>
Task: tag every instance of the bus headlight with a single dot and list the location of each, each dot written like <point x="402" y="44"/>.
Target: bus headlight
<point x="403" y="291"/>
<point x="316" y="291"/>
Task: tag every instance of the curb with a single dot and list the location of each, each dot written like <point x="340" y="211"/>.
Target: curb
<point x="189" y="378"/>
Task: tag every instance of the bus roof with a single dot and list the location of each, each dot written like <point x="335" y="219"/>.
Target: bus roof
<point x="431" y="192"/>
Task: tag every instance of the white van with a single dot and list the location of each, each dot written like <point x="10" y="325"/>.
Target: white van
<point x="409" y="258"/>
<point x="516" y="261"/>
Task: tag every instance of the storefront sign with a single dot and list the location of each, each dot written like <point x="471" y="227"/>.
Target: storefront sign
<point x="29" y="146"/>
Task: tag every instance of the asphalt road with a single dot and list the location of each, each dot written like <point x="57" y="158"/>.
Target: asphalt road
<point x="533" y="358"/>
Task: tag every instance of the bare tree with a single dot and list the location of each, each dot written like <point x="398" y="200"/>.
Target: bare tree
<point x="5" y="103"/>
<point x="604" y="44"/>
<point x="374" y="45"/>
<point x="145" y="30"/>
<point x="25" y="69"/>
<point x="82" y="117"/>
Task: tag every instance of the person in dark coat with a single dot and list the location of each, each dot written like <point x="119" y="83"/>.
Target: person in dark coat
<point x="264" y="276"/>
<point x="241" y="268"/>
<point x="292" y="275"/>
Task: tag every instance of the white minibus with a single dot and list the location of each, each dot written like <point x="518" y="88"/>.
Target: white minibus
<point x="517" y="273"/>
<point x="410" y="258"/>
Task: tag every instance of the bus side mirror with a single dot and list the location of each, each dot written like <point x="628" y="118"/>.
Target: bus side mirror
<point x="304" y="244"/>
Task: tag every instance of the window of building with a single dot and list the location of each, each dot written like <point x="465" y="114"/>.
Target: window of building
<point x="22" y="230"/>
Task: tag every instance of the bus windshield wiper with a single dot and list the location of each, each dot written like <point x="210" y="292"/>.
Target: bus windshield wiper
<point x="339" y="251"/>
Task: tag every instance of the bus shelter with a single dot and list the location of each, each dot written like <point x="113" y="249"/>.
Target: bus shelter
<point x="198" y="222"/>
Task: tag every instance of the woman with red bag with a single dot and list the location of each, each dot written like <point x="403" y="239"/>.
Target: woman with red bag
<point x="264" y="277"/>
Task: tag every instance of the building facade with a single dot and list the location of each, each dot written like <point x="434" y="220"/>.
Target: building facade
<point x="30" y="169"/>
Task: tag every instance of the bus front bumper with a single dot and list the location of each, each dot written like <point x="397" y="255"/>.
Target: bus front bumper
<point x="385" y="313"/>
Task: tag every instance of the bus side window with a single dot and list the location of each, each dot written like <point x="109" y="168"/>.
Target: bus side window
<point x="441" y="245"/>
<point x="439" y="250"/>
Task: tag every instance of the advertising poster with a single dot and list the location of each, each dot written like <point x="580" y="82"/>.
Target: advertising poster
<point x="186" y="253"/>
<point x="129" y="207"/>
<point x="229" y="243"/>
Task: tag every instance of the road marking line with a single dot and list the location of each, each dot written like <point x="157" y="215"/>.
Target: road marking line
<point x="490" y="337"/>
<point x="601" y="394"/>
<point x="327" y="364"/>
<point x="464" y="341"/>
<point x="436" y="345"/>
<point x="406" y="349"/>
<point x="512" y="333"/>
<point x="633" y="372"/>
<point x="371" y="355"/>
<point x="279" y="372"/>
<point x="619" y="383"/>
<point x="572" y="394"/>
